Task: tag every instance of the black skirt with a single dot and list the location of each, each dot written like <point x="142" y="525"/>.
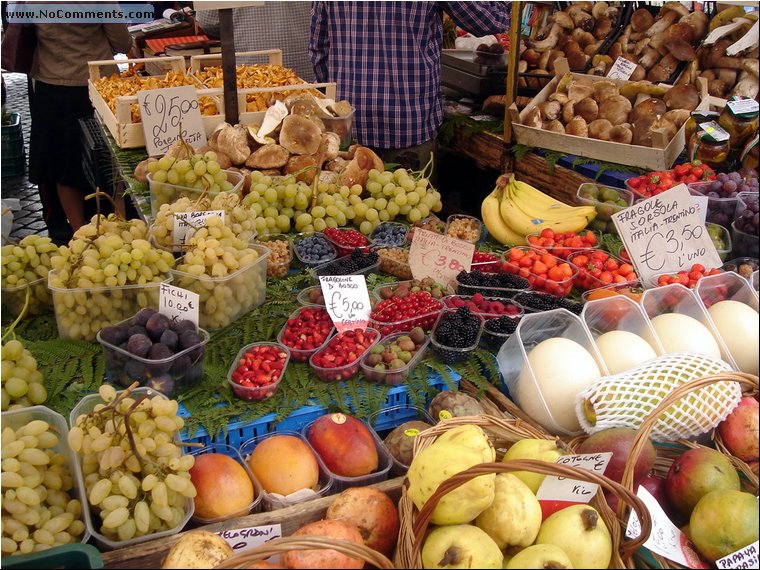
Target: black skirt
<point x="55" y="145"/>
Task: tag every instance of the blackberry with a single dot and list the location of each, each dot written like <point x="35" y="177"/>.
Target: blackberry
<point x="349" y="265"/>
<point x="489" y="284"/>
<point x="458" y="329"/>
<point x="537" y="302"/>
<point x="501" y="325"/>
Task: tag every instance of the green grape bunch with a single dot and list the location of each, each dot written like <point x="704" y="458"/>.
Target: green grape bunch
<point x="136" y="478"/>
<point x="39" y="506"/>
<point x="25" y="266"/>
<point x="22" y="383"/>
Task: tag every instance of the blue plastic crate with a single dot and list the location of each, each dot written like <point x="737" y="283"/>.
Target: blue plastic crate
<point x="239" y="432"/>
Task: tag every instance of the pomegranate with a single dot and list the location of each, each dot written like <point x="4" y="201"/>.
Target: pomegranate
<point x="739" y="431"/>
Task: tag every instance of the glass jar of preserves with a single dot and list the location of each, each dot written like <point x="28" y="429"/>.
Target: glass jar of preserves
<point x="710" y="145"/>
<point x="696" y="118"/>
<point x="749" y="156"/>
<point x="740" y="118"/>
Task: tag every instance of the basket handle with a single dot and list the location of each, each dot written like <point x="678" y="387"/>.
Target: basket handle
<point x="283" y="544"/>
<point x="422" y="520"/>
<point x="747" y="381"/>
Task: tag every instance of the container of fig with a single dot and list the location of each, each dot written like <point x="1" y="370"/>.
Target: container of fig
<point x="391" y="359"/>
<point x="395" y="261"/>
<point x="402" y="288"/>
<point x="456" y="334"/>
<point x="341" y="357"/>
<point x="307" y="330"/>
<point x="280" y="254"/>
<point x="431" y="223"/>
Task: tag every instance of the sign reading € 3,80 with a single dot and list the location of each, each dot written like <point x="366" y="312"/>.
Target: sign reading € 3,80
<point x="439" y="256"/>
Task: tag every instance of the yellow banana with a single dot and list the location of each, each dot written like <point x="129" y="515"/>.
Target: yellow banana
<point x="535" y="195"/>
<point x="489" y="212"/>
<point x="549" y="213"/>
<point x="525" y="224"/>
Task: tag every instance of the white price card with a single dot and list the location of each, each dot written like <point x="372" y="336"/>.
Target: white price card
<point x="739" y="106"/>
<point x="241" y="539"/>
<point x="439" y="256"/>
<point x="186" y="223"/>
<point x="701" y="202"/>
<point x="665" y="539"/>
<point x="163" y="111"/>
<point x="178" y="304"/>
<point x="554" y="488"/>
<point x="346" y="300"/>
<point x="621" y="69"/>
<point x="664" y="234"/>
<point x="743" y="558"/>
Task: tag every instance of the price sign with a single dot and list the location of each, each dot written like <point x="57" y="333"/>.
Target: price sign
<point x="743" y="558"/>
<point x="177" y="303"/>
<point x="701" y="203"/>
<point x="554" y="488"/>
<point x="185" y="224"/>
<point x="439" y="256"/>
<point x="666" y="539"/>
<point x="621" y="69"/>
<point x="739" y="106"/>
<point x="241" y="539"/>
<point x="162" y="111"/>
<point x="346" y="300"/>
<point x="664" y="234"/>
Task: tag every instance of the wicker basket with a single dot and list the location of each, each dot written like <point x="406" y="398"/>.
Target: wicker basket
<point x="503" y="433"/>
<point x="284" y="544"/>
<point x="666" y="454"/>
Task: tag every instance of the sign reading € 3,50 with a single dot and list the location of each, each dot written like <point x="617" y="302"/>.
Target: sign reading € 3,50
<point x="439" y="256"/>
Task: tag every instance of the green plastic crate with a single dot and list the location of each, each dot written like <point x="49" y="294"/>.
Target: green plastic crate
<point x="67" y="556"/>
<point x="13" y="156"/>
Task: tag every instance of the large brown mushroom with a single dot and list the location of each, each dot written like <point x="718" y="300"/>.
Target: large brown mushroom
<point x="357" y="171"/>
<point x="664" y="69"/>
<point x="233" y="141"/>
<point x="602" y="27"/>
<point x="305" y="165"/>
<point x="577" y="127"/>
<point x="641" y="20"/>
<point x="648" y="107"/>
<point x="604" y="89"/>
<point x="581" y="18"/>
<point x="587" y="108"/>
<point x="600" y="129"/>
<point x="621" y="134"/>
<point x="550" y="110"/>
<point x="300" y="135"/>
<point x="555" y="126"/>
<point x="268" y="156"/>
<point x="580" y="89"/>
<point x="670" y="13"/>
<point x="682" y="97"/>
<point x="615" y="109"/>
<point x="678" y="116"/>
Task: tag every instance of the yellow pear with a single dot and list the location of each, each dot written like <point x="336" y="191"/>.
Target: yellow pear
<point x="514" y="517"/>
<point x="460" y="546"/>
<point x="437" y="463"/>
<point x="581" y="533"/>
<point x="470" y="436"/>
<point x="540" y="556"/>
<point x="531" y="448"/>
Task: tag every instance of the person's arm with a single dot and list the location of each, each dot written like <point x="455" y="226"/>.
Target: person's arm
<point x="480" y="18"/>
<point x="208" y="21"/>
<point x="119" y="37"/>
<point x="319" y="41"/>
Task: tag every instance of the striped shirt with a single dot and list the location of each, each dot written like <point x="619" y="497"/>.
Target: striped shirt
<point x="386" y="60"/>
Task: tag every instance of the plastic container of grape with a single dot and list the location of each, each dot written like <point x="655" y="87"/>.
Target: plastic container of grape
<point x="273" y="501"/>
<point x="744" y="244"/>
<point x="398" y="376"/>
<point x="302" y="355"/>
<point x="171" y="376"/>
<point x="719" y="210"/>
<point x="304" y="263"/>
<point x="165" y="193"/>
<point x="224" y="299"/>
<point x="476" y="224"/>
<point x="22" y="416"/>
<point x="452" y="354"/>
<point x="345" y="372"/>
<point x="329" y="268"/>
<point x="449" y="301"/>
<point x="258" y="492"/>
<point x="401" y="240"/>
<point x="396" y="267"/>
<point x="256" y="393"/>
<point x="278" y="268"/>
<point x="384" y="464"/>
<point x="81" y="312"/>
<point x="424" y="320"/>
<point x="40" y="299"/>
<point x="383" y="422"/>
<point x="604" y="210"/>
<point x="85" y="406"/>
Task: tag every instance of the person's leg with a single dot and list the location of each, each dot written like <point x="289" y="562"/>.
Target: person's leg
<point x="73" y="204"/>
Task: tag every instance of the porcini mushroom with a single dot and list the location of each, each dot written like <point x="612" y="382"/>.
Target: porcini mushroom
<point x="600" y="129"/>
<point x="582" y="19"/>
<point x="670" y="13"/>
<point x="300" y="135"/>
<point x="577" y="127"/>
<point x="580" y="90"/>
<point x="641" y="20"/>
<point x="682" y="97"/>
<point x="598" y="9"/>
<point x="602" y="27"/>
<point x="588" y="109"/>
<point x="648" y="107"/>
<point x="621" y="134"/>
<point x="268" y="156"/>
<point x="555" y="126"/>
<point x="603" y="90"/>
<point x="550" y="41"/>
<point x="678" y="116"/>
<point x="550" y="110"/>
<point x="615" y="109"/>
<point x="305" y="165"/>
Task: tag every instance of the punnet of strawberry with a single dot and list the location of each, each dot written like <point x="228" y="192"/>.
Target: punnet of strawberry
<point x="688" y="278"/>
<point x="657" y="182"/>
<point x="257" y="370"/>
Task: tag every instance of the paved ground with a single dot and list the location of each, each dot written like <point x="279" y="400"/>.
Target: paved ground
<point x="28" y="219"/>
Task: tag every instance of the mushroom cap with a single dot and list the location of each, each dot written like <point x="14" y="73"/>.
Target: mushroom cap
<point x="676" y="7"/>
<point x="641" y="20"/>
<point x="678" y="116"/>
<point x="682" y="97"/>
<point x="680" y="49"/>
<point x="587" y="108"/>
<point x="577" y="127"/>
<point x="652" y="106"/>
<point x="615" y="109"/>
<point x="599" y="129"/>
<point x="300" y="135"/>
<point x="301" y="163"/>
<point x="621" y="134"/>
<point x="268" y="156"/>
<point x="563" y="19"/>
<point x="555" y="126"/>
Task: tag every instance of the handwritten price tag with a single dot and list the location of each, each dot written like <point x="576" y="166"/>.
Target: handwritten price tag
<point x="245" y="538"/>
<point x="439" y="256"/>
<point x="177" y="303"/>
<point x="743" y="558"/>
<point x="554" y="488"/>
<point x="664" y="234"/>
<point x="346" y="300"/>
<point x="621" y="69"/>
<point x="162" y="111"/>
<point x="666" y="539"/>
<point x="185" y="224"/>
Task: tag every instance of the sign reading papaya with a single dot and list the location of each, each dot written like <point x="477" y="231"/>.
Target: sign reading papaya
<point x="164" y="111"/>
<point x="440" y="257"/>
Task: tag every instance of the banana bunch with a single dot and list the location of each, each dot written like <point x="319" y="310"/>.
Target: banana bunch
<point x="515" y="209"/>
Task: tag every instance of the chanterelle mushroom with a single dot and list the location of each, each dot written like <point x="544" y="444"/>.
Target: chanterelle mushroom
<point x="300" y="135"/>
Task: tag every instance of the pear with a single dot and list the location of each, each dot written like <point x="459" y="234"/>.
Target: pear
<point x="580" y="532"/>
<point x="460" y="546"/>
<point x="540" y="556"/>
<point x="514" y="517"/>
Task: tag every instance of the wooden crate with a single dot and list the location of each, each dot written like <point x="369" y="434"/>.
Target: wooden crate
<point x="128" y="134"/>
<point x="151" y="554"/>
<point x="617" y="153"/>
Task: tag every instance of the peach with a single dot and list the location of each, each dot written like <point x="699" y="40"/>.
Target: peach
<point x="284" y="464"/>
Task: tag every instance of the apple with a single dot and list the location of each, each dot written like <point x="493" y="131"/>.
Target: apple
<point x="739" y="431"/>
<point x="345" y="445"/>
<point x="284" y="464"/>
<point x="531" y="448"/>
<point x="695" y="473"/>
<point x="372" y="511"/>
<point x="619" y="441"/>
<point x="223" y="487"/>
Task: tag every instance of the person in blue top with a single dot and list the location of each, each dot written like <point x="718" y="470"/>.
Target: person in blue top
<point x="386" y="60"/>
